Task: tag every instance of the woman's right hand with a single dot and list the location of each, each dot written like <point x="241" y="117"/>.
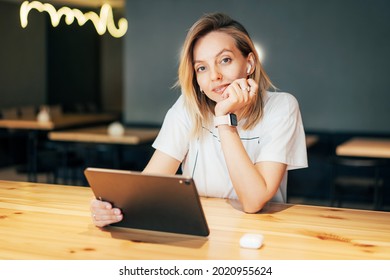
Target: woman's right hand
<point x="104" y="214"/>
<point x="239" y="94"/>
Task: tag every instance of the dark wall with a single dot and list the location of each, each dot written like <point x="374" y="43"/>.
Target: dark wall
<point x="73" y="66"/>
<point x="332" y="55"/>
<point x="22" y="59"/>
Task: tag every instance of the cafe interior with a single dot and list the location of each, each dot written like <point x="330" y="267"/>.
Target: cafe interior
<point x="91" y="89"/>
<point x="330" y="55"/>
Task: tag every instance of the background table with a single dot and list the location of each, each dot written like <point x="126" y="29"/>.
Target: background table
<point x="58" y="122"/>
<point x="97" y="135"/>
<point x="365" y="147"/>
<point x="40" y="221"/>
<point x="131" y="136"/>
<point x="32" y="126"/>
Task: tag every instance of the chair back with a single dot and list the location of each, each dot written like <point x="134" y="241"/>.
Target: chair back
<point x="358" y="173"/>
<point x="28" y="112"/>
<point x="55" y="111"/>
<point x="10" y="113"/>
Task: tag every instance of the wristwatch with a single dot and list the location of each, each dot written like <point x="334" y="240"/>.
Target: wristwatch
<point x="229" y="119"/>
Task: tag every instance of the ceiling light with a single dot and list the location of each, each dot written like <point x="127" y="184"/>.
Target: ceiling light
<point x="102" y="22"/>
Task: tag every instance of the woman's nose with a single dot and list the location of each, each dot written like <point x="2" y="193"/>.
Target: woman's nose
<point x="215" y="74"/>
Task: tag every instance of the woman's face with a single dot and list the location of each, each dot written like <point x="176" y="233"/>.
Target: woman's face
<point x="217" y="63"/>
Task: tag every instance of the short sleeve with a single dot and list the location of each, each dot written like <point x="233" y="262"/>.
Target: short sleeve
<point x="173" y="138"/>
<point x="283" y="137"/>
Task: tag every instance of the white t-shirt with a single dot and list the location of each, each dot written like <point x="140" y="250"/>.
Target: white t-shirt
<point x="278" y="137"/>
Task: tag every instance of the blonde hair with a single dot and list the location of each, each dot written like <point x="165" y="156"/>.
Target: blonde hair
<point x="200" y="108"/>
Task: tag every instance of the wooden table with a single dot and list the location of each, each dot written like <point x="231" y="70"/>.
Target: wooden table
<point x="40" y="221"/>
<point x="32" y="126"/>
<point x="62" y="121"/>
<point x="365" y="147"/>
<point x="132" y="136"/>
<point x="99" y="135"/>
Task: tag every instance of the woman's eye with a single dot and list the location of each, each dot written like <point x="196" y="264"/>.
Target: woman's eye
<point x="200" y="69"/>
<point x="225" y="60"/>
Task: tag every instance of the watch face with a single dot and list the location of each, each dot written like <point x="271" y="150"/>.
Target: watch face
<point x="233" y="119"/>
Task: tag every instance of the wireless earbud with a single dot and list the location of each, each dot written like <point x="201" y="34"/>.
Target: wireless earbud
<point x="248" y="70"/>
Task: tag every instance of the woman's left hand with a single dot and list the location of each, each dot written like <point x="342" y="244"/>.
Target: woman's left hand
<point x="238" y="94"/>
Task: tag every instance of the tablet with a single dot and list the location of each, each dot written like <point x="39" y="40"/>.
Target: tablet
<point x="151" y="202"/>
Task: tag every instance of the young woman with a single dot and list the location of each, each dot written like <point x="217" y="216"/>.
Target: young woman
<point x="233" y="136"/>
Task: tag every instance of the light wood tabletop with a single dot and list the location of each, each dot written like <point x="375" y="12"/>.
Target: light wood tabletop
<point x="62" y="121"/>
<point x="365" y="147"/>
<point x="131" y="136"/>
<point x="40" y="221"/>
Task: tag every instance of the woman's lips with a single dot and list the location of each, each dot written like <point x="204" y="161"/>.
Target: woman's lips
<point x="220" y="89"/>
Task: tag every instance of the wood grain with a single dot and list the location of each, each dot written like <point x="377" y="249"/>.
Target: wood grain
<point x="40" y="221"/>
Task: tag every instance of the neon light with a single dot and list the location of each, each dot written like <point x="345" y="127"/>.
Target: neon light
<point x="102" y="23"/>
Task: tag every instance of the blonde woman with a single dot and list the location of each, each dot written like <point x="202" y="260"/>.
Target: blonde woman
<point x="227" y="131"/>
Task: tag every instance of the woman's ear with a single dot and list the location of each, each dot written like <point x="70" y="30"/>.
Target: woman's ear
<point x="251" y="63"/>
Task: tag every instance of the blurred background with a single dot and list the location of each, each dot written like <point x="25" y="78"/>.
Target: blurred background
<point x="333" y="56"/>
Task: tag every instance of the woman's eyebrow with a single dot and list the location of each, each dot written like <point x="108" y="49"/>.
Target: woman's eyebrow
<point x="218" y="54"/>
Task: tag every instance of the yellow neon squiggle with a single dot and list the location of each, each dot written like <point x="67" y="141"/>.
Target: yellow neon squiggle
<point x="101" y="22"/>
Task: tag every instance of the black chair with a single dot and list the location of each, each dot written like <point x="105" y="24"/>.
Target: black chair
<point x="350" y="174"/>
<point x="11" y="138"/>
<point x="48" y="160"/>
<point x="61" y="164"/>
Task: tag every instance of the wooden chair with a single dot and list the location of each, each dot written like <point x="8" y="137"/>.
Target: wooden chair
<point x="9" y="113"/>
<point x="28" y="112"/>
<point x="352" y="174"/>
<point x="55" y="111"/>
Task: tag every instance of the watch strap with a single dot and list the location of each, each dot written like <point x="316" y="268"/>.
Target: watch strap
<point x="229" y="119"/>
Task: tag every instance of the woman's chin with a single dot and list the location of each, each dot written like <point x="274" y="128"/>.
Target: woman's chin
<point x="216" y="97"/>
